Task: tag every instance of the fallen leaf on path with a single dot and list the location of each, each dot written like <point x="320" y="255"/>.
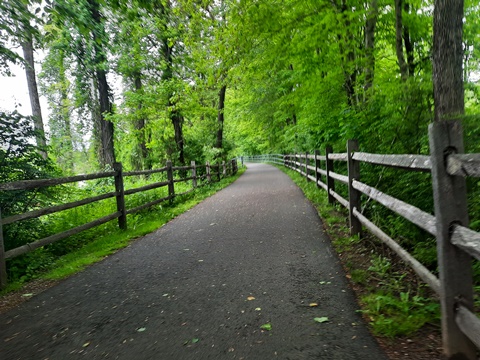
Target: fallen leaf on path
<point x="321" y="319"/>
<point x="195" y="340"/>
<point x="267" y="327"/>
<point x="250" y="298"/>
<point x="86" y="344"/>
<point x="27" y="295"/>
<point x="141" y="329"/>
<point x="258" y="309"/>
<point x="313" y="304"/>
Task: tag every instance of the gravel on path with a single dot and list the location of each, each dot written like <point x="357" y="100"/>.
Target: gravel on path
<point x="233" y="278"/>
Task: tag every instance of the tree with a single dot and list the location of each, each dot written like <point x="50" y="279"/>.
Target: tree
<point x="27" y="46"/>
<point x="99" y="37"/>
<point x="57" y="87"/>
<point x="15" y="26"/>
<point x="84" y="25"/>
<point x="13" y="14"/>
<point x="131" y="44"/>
<point x="448" y="60"/>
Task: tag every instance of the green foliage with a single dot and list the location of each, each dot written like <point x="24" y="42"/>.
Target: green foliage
<point x="20" y="160"/>
<point x="393" y="316"/>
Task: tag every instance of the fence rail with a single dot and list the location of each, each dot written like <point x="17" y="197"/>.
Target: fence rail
<point x="220" y="170"/>
<point x="456" y="243"/>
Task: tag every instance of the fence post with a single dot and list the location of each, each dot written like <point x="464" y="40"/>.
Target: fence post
<point x="218" y="171"/>
<point x="171" y="185"/>
<point x="353" y="195"/>
<point x="3" y="265"/>
<point x="329" y="169"/>
<point x="317" y="166"/>
<point x="120" y="190"/>
<point x="207" y="170"/>
<point x="194" y="174"/>
<point x="224" y="171"/>
<point x="306" y="166"/>
<point x="455" y="267"/>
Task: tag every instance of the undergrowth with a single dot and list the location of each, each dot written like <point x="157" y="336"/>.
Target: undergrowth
<point x="393" y="300"/>
<point x="68" y="256"/>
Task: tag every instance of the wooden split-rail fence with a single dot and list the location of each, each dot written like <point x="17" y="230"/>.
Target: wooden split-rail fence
<point x="456" y="243"/>
<point x="210" y="173"/>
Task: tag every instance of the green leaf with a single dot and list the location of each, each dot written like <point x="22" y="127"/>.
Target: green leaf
<point x="195" y="340"/>
<point x="141" y="329"/>
<point x="267" y="327"/>
<point x="321" y="319"/>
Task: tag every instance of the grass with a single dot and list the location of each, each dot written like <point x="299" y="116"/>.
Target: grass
<point x="111" y="239"/>
<point x="393" y="300"/>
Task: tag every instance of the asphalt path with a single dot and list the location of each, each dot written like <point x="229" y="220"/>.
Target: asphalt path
<point x="202" y="287"/>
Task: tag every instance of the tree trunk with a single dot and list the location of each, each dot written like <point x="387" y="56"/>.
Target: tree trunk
<point x="409" y="45"/>
<point x="66" y="143"/>
<point x="448" y="59"/>
<point x="27" y="47"/>
<point x="221" y="116"/>
<point x="140" y="128"/>
<point x="348" y="56"/>
<point x="107" y="151"/>
<point x="399" y="40"/>
<point x="177" y="121"/>
<point x="175" y="117"/>
<point x="370" y="26"/>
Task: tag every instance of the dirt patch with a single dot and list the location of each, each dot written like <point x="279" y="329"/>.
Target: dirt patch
<point x="426" y="344"/>
<point x="25" y="293"/>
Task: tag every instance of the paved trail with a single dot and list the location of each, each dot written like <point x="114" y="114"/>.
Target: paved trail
<point x="183" y="292"/>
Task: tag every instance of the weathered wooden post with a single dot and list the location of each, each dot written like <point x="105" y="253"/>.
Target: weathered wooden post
<point x="317" y="166"/>
<point x="224" y="171"/>
<point x="455" y="267"/>
<point x="171" y="184"/>
<point x="120" y="196"/>
<point x="207" y="170"/>
<point x="194" y="174"/>
<point x="3" y="265"/>
<point x="306" y="166"/>
<point x="330" y="180"/>
<point x="218" y="171"/>
<point x="353" y="194"/>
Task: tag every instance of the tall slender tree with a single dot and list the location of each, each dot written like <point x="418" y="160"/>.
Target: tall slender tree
<point x="27" y="46"/>
<point x="99" y="37"/>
